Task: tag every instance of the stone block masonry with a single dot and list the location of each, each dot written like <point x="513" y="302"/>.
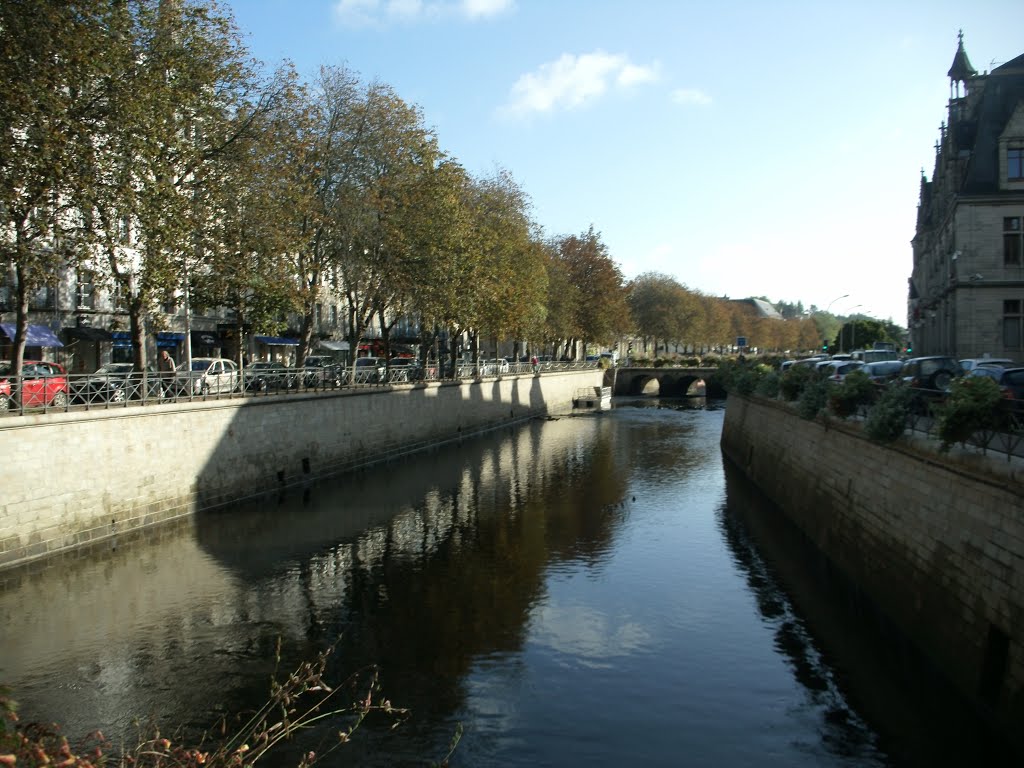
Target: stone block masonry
<point x="935" y="540"/>
<point x="78" y="478"/>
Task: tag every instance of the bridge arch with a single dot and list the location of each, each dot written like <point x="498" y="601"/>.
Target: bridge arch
<point x="665" y="382"/>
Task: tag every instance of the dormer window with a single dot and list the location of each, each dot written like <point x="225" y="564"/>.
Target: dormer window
<point x="1015" y="164"/>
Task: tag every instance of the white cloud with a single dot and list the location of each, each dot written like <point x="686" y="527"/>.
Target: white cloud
<point x="478" y="9"/>
<point x="690" y="96"/>
<point x="570" y="81"/>
<point x="362" y="13"/>
<point x="356" y="13"/>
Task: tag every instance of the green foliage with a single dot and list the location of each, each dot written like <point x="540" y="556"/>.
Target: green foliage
<point x="887" y="419"/>
<point x="813" y="398"/>
<point x="972" y="406"/>
<point x="794" y="380"/>
<point x="860" y="333"/>
<point x="768" y="385"/>
<point x="855" y="390"/>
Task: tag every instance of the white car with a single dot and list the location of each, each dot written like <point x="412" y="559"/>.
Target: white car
<point x="208" y="376"/>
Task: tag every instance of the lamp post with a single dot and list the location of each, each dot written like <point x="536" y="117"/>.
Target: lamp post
<point x="837" y="298"/>
<point x="853" y="330"/>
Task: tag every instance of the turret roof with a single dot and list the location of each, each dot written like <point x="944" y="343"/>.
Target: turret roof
<point x="961" y="69"/>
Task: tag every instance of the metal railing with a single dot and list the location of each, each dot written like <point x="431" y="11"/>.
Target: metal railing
<point x="72" y="392"/>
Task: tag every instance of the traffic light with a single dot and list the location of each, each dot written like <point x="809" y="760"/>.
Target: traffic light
<point x="824" y="345"/>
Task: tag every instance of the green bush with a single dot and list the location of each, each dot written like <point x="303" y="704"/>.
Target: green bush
<point x="768" y="385"/>
<point x="794" y="379"/>
<point x="887" y="418"/>
<point x="855" y="390"/>
<point x="813" y="398"/>
<point x="972" y="406"/>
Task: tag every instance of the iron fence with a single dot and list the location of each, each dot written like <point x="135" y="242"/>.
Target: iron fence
<point x="124" y="388"/>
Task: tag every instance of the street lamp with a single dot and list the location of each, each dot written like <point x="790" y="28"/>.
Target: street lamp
<point x="853" y="330"/>
<point x="837" y="298"/>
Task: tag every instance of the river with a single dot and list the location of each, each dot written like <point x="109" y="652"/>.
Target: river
<point x="597" y="590"/>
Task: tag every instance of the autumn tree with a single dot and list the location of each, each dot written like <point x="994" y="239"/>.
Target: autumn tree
<point x="52" y="63"/>
<point x="178" y="94"/>
<point x="250" y="227"/>
<point x="601" y="313"/>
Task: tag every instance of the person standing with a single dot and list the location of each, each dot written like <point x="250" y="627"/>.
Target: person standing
<point x="165" y="365"/>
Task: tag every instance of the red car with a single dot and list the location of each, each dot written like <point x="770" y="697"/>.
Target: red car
<point x="42" y="385"/>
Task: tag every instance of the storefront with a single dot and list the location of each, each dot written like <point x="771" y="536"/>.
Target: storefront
<point x="86" y="348"/>
<point x="279" y="349"/>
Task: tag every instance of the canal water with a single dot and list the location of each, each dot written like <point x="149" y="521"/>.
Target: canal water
<point x="599" y="590"/>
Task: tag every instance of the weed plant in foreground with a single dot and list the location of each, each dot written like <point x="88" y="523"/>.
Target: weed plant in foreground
<point x="302" y="700"/>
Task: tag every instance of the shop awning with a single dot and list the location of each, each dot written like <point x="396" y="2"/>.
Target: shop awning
<point x="170" y="336"/>
<point x="277" y="341"/>
<point x="37" y="336"/>
<point x="334" y="346"/>
<point x="88" y="334"/>
<point x="123" y="339"/>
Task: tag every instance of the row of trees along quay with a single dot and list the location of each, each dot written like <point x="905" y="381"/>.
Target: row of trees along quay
<point x="142" y="143"/>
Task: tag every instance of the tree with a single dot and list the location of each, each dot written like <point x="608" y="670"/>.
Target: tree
<point x="52" y="59"/>
<point x="602" y="313"/>
<point x="178" y="94"/>
<point x="251" y="227"/>
<point x="860" y="333"/>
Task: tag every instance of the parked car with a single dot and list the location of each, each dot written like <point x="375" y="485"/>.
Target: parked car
<point x="883" y="371"/>
<point x="115" y="383"/>
<point x="1010" y="381"/>
<point x="264" y="375"/>
<point x="970" y="364"/>
<point x="933" y="372"/>
<point x="208" y="376"/>
<point x="836" y="370"/>
<point x="320" y="371"/>
<point x="43" y="385"/>
<point x="369" y="370"/>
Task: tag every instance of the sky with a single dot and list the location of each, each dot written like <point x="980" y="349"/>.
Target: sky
<point x="744" y="148"/>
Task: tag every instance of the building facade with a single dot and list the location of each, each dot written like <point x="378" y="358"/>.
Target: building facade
<point x="966" y="290"/>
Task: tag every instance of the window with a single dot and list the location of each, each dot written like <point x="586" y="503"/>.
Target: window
<point x="117" y="298"/>
<point x="169" y="304"/>
<point x="1015" y="164"/>
<point x="85" y="291"/>
<point x="42" y="299"/>
<point x="319" y="317"/>
<point x="1013" y="241"/>
<point x="334" y="315"/>
<point x="1013" y="332"/>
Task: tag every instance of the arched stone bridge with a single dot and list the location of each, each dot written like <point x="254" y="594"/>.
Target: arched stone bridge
<point x="667" y="382"/>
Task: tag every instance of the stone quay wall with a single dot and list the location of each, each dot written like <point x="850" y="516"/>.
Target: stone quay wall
<point x="934" y="540"/>
<point x="75" y="479"/>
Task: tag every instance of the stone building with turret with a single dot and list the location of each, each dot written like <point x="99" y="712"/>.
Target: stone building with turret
<point x="966" y="290"/>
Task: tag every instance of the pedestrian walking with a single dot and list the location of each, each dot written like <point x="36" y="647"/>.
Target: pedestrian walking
<point x="165" y="365"/>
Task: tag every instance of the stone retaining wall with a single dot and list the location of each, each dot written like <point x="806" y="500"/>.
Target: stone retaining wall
<point x="936" y="541"/>
<point x="71" y="479"/>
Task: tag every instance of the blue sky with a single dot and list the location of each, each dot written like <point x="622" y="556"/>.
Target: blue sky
<point x="744" y="148"/>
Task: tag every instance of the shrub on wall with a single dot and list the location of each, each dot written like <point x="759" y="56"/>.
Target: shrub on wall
<point x="794" y="379"/>
<point x="852" y="392"/>
<point x="813" y="398"/>
<point x="972" y="406"/>
<point x="768" y="386"/>
<point x="887" y="418"/>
